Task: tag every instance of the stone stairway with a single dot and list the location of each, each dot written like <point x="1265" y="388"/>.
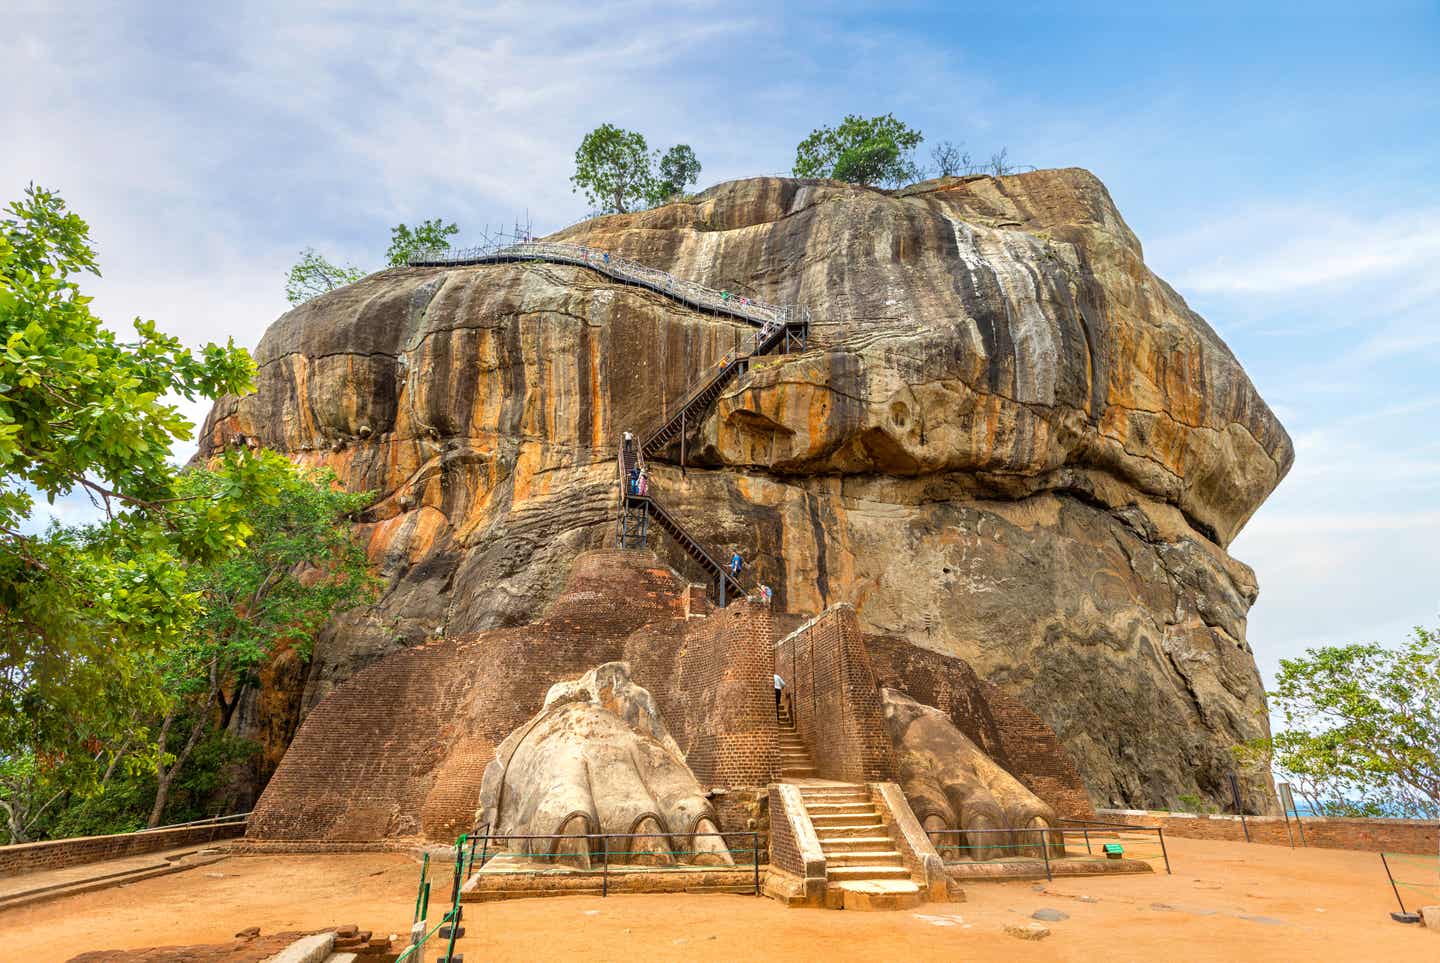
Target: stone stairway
<point x="795" y="759"/>
<point x="853" y="836"/>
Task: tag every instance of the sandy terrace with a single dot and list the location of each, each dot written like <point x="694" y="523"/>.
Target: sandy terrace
<point x="1226" y="901"/>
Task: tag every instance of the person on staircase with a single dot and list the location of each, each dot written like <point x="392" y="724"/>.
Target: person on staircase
<point x="736" y="563"/>
<point x="779" y="687"/>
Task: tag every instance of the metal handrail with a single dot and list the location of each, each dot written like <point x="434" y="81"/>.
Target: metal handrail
<point x="194" y="822"/>
<point x="702" y="383"/>
<point x="752" y="835"/>
<point x="741" y="306"/>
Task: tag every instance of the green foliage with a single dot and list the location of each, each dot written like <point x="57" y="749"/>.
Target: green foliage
<point x="861" y="150"/>
<point x="80" y="610"/>
<point x="313" y="275"/>
<point x="1362" y="728"/>
<point x="406" y="243"/>
<point x="612" y="167"/>
<point x="103" y="627"/>
<point x="79" y="407"/>
<point x="1191" y="803"/>
<point x="299" y="567"/>
<point x="679" y="168"/>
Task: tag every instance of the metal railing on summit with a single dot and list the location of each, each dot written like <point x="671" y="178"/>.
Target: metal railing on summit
<point x="738" y="305"/>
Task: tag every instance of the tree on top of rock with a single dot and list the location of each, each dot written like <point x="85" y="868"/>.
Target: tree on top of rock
<point x="314" y="274"/>
<point x="861" y="150"/>
<point x="612" y="167"/>
<point x="679" y="168"/>
<point x="407" y="242"/>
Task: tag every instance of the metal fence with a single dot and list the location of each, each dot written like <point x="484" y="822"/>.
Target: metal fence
<point x="615" y="852"/>
<point x="1075" y="841"/>
<point x="721" y="302"/>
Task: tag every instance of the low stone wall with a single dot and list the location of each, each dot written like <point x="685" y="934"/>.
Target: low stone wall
<point x="59" y="853"/>
<point x="1368" y="835"/>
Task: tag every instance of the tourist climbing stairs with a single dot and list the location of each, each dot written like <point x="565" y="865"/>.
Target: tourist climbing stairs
<point x="638" y="507"/>
<point x="719" y="574"/>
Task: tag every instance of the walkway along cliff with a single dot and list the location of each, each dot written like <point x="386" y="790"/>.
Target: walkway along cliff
<point x="1003" y="440"/>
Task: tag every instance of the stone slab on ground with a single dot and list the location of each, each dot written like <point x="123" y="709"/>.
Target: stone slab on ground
<point x="315" y="948"/>
<point x="1027" y="931"/>
<point x="878" y="894"/>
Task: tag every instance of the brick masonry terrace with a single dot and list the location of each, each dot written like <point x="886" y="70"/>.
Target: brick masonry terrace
<point x="399" y="750"/>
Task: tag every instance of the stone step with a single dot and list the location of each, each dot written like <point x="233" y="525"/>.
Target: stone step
<point x="834" y="820"/>
<point x="827" y="793"/>
<point x="843" y="832"/>
<point x="836" y="808"/>
<point x="846" y="873"/>
<point x="854" y="844"/>
<point x="876" y="894"/>
<point x="886" y="857"/>
<point x="798" y="772"/>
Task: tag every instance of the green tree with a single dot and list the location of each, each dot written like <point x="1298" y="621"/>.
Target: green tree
<point x="81" y="410"/>
<point x="860" y="150"/>
<point x="313" y="275"/>
<point x="407" y="242"/>
<point x="300" y="566"/>
<point x="612" y="167"/>
<point x="1362" y="728"/>
<point x="679" y="168"/>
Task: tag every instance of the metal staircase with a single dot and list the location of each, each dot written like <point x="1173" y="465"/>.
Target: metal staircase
<point x="696" y="402"/>
<point x="782" y="327"/>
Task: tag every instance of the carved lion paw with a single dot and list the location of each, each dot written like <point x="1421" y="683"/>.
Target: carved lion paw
<point x="953" y="785"/>
<point x="598" y="759"/>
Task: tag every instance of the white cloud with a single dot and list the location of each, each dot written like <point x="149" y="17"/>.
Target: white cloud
<point x="1285" y="250"/>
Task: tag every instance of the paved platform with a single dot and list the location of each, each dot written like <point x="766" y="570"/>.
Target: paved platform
<point x="49" y="884"/>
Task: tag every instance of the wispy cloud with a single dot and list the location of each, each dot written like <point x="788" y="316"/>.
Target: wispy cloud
<point x="1288" y="250"/>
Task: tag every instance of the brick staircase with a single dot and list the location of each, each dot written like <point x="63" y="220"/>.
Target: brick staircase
<point x="863" y="869"/>
<point x="795" y="760"/>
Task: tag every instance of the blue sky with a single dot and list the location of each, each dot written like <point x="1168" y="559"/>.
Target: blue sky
<point x="1279" y="162"/>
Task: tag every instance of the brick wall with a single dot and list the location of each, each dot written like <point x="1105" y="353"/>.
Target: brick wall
<point x="400" y="749"/>
<point x="836" y="701"/>
<point x="59" y="853"/>
<point x="1005" y="730"/>
<point x="725" y="681"/>
<point x="1368" y="835"/>
<point x="784" y="850"/>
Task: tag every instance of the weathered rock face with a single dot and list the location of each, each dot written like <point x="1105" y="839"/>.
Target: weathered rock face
<point x="1009" y="442"/>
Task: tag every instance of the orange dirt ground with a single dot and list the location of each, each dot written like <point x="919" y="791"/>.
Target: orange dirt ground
<point x="1226" y="901"/>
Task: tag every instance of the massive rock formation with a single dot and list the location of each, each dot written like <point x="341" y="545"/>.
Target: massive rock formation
<point x="1010" y="441"/>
